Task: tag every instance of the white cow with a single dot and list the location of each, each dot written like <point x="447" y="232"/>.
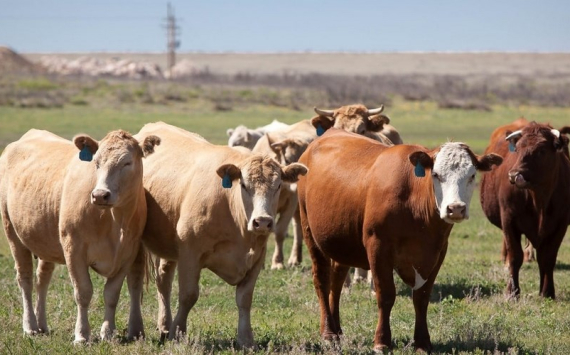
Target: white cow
<point x="208" y="207"/>
<point x="85" y="214"/>
<point x="246" y="137"/>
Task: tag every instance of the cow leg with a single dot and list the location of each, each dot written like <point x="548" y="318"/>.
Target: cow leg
<point x="164" y="277"/>
<point x="135" y="281"/>
<point x="546" y="256"/>
<point x="514" y="252"/>
<point x="281" y="228"/>
<point x="111" y="294"/>
<point x="188" y="290"/>
<point x="297" y="250"/>
<point x="529" y="255"/>
<point x="421" y="297"/>
<point x="24" y="275"/>
<point x="83" y="292"/>
<point x="244" y="296"/>
<point x="44" y="272"/>
<point x="381" y="266"/>
<point x="338" y="277"/>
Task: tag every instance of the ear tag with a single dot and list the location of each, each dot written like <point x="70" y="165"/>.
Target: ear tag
<point x="226" y="181"/>
<point x="320" y="130"/>
<point x="511" y="147"/>
<point x="85" y="154"/>
<point x="419" y="170"/>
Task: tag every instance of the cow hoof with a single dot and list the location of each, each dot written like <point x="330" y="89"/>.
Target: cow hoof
<point x="277" y="266"/>
<point x="293" y="262"/>
<point x="80" y="341"/>
<point x="381" y="349"/>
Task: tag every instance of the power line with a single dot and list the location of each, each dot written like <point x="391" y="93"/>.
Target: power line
<point x="172" y="31"/>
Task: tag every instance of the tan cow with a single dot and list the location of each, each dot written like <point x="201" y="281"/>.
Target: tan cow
<point x="80" y="213"/>
<point x="286" y="146"/>
<point x="357" y="119"/>
<point x="208" y="207"/>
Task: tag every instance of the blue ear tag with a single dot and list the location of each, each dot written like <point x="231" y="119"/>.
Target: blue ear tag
<point x="85" y="154"/>
<point x="320" y="130"/>
<point x="419" y="170"/>
<point x="511" y="147"/>
<point x="226" y="181"/>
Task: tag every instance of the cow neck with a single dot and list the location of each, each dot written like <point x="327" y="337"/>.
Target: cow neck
<point x="541" y="196"/>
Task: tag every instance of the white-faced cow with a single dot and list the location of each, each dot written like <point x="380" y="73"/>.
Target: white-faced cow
<point x="85" y="214"/>
<point x="528" y="194"/>
<point x="246" y="137"/>
<point x="382" y="208"/>
<point x="208" y="207"/>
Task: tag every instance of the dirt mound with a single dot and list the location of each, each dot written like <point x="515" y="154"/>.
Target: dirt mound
<point x="90" y="66"/>
<point x="13" y="63"/>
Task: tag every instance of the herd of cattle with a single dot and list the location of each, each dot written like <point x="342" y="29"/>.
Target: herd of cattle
<point x="352" y="190"/>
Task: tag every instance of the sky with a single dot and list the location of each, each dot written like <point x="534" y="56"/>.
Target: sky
<point x="287" y="25"/>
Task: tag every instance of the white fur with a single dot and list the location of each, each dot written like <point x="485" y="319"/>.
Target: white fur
<point x="456" y="184"/>
<point x="419" y="282"/>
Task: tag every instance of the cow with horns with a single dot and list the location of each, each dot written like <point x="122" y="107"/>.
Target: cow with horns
<point x="528" y="194"/>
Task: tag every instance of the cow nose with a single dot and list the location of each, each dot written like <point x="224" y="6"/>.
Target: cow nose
<point x="262" y="224"/>
<point x="100" y="197"/>
<point x="456" y="210"/>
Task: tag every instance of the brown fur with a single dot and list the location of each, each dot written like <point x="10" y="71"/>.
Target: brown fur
<point x="362" y="206"/>
<point x="540" y="211"/>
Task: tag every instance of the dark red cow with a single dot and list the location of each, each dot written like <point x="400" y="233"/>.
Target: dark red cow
<point x="528" y="194"/>
<point x="365" y="204"/>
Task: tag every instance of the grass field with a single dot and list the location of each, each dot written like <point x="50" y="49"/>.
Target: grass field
<point x="468" y="312"/>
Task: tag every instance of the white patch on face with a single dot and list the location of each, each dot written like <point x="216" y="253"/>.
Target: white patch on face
<point x="453" y="181"/>
<point x="259" y="202"/>
<point x="419" y="282"/>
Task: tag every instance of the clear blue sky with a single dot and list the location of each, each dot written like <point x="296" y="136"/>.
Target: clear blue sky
<point x="287" y="25"/>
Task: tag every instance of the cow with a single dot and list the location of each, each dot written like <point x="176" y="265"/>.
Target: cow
<point x="209" y="207"/>
<point x="85" y="211"/>
<point x="286" y="146"/>
<point x="246" y="137"/>
<point x="362" y="206"/>
<point x="358" y="119"/>
<point x="528" y="194"/>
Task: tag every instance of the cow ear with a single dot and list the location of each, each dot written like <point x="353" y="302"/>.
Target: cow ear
<point x="561" y="142"/>
<point x="322" y="123"/>
<point x="376" y="123"/>
<point x="87" y="146"/>
<point x="229" y="132"/>
<point x="420" y="160"/>
<point x="486" y="162"/>
<point x="292" y="171"/>
<point x="277" y="147"/>
<point x="228" y="173"/>
<point x="148" y="145"/>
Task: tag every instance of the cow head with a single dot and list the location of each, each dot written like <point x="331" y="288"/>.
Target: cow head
<point x="453" y="169"/>
<point x="118" y="163"/>
<point x="353" y="118"/>
<point x="242" y="136"/>
<point x="287" y="150"/>
<point x="538" y="148"/>
<point x="257" y="180"/>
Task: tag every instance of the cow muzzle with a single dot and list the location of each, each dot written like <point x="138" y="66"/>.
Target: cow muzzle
<point x="101" y="197"/>
<point x="517" y="179"/>
<point x="262" y="225"/>
<point x="456" y="212"/>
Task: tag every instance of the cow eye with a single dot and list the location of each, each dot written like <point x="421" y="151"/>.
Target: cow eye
<point x="242" y="185"/>
<point x="128" y="164"/>
<point x="472" y="178"/>
<point x="436" y="176"/>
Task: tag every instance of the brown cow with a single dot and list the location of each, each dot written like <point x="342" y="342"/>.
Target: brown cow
<point x="529" y="195"/>
<point x="208" y="207"/>
<point x="362" y="206"/>
<point x="83" y="214"/>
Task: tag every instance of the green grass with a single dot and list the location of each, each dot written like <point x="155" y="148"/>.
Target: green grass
<point x="468" y="311"/>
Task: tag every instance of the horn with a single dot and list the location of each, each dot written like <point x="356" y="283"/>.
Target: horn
<point x="327" y="113"/>
<point x="375" y="111"/>
<point x="514" y="134"/>
<point x="555" y="132"/>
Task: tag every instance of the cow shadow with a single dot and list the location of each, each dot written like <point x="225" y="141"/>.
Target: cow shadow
<point x="456" y="290"/>
<point x="561" y="266"/>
